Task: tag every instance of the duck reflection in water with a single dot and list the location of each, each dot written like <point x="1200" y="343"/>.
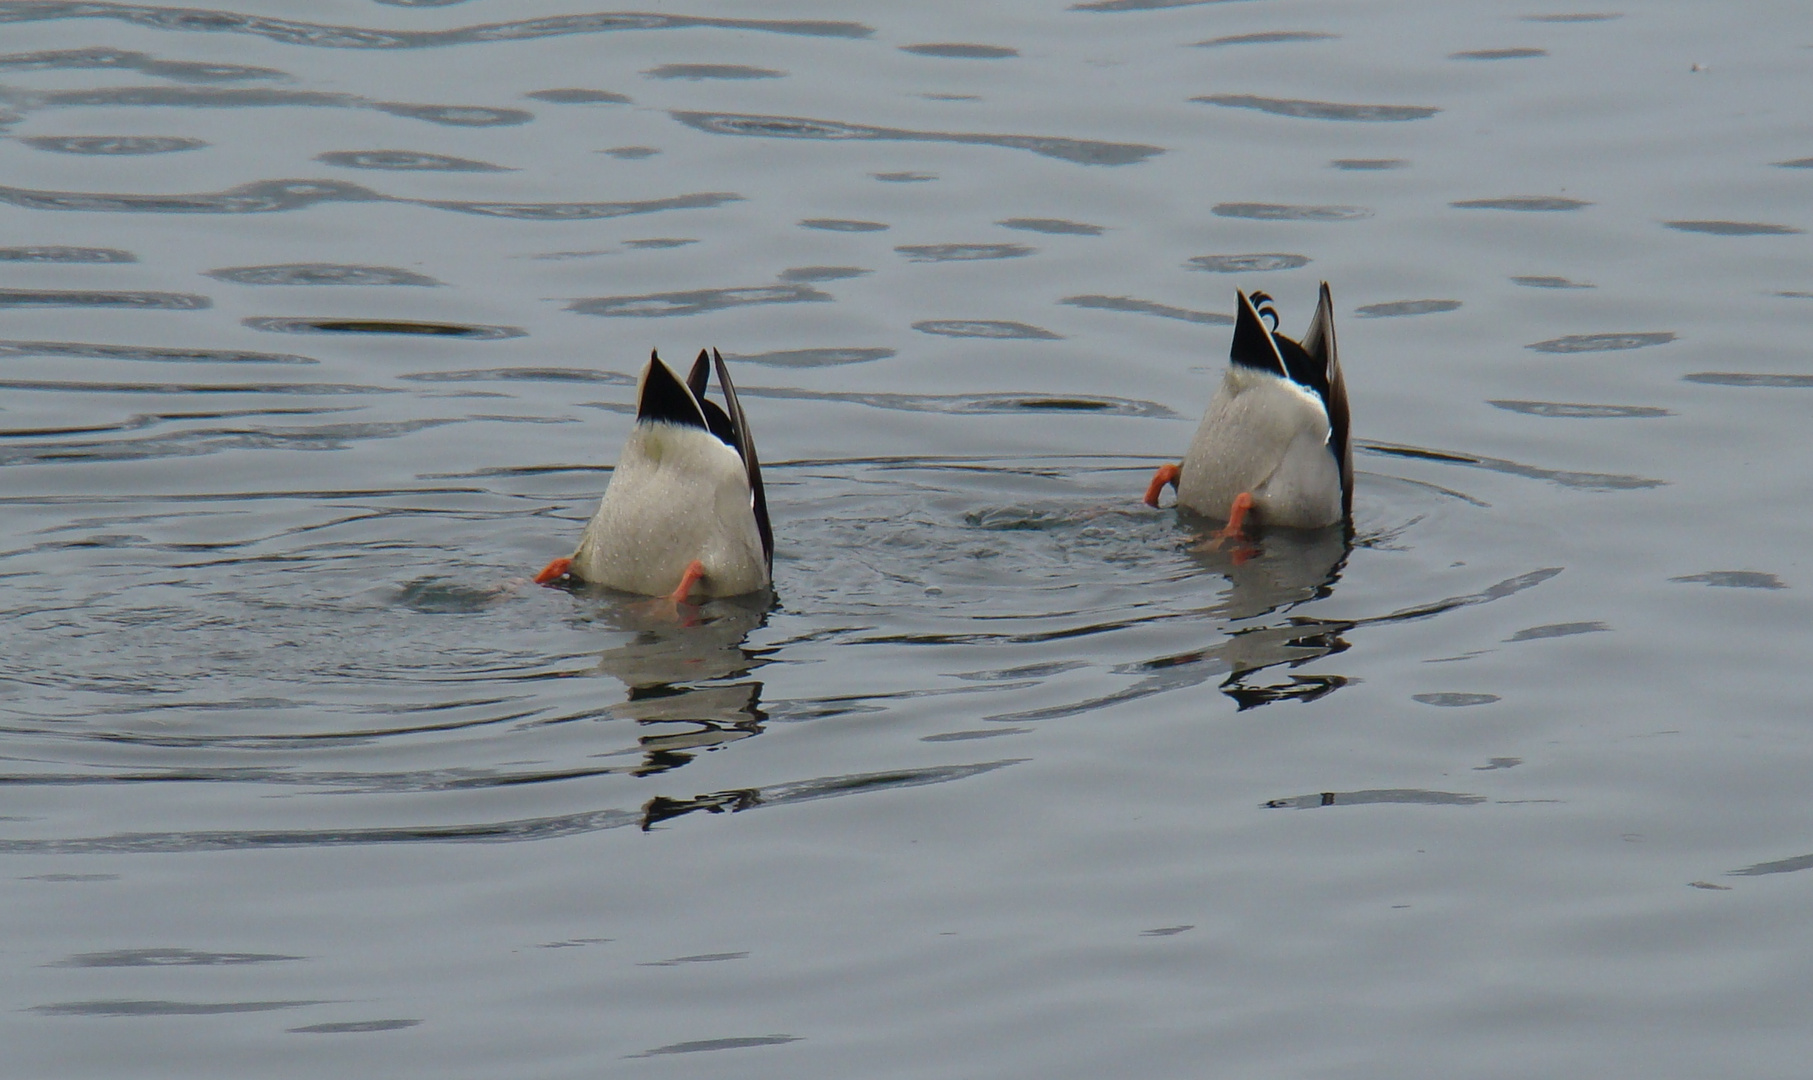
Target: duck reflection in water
<point x="1284" y="569"/>
<point x="678" y="673"/>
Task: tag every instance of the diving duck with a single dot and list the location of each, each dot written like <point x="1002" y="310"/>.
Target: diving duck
<point x="1274" y="446"/>
<point x="684" y="515"/>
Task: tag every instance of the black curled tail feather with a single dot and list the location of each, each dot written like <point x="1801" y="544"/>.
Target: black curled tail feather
<point x="1254" y="345"/>
<point x="1266" y="307"/>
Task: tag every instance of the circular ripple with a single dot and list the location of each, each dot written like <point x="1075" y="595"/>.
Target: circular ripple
<point x="963" y="252"/>
<point x="811" y="358"/>
<point x="78" y="298"/>
<point x="985" y="328"/>
<point x="1281" y="212"/>
<point x="1248" y="264"/>
<point x="1498" y="54"/>
<point x="1733" y="228"/>
<point x="456" y="115"/>
<point x="955" y="51"/>
<point x="1580" y="343"/>
<point x="113" y="144"/>
<point x="842" y="225"/>
<point x="320" y="274"/>
<point x="1549" y="282"/>
<point x="54" y="254"/>
<point x="1322" y="110"/>
<point x="696" y="301"/>
<point x="698" y="72"/>
<point x="1399" y="308"/>
<point x="470" y="332"/>
<point x="577" y="96"/>
<point x="1529" y="204"/>
<point x="822" y="273"/>
<point x="1570" y="411"/>
<point x="404" y="161"/>
<point x="1270" y="37"/>
<point x="1454" y="700"/>
<point x="1052" y="226"/>
<point x="354" y="1027"/>
<point x="382" y="645"/>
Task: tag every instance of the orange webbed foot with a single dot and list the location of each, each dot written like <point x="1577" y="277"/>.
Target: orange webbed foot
<point x="554" y="571"/>
<point x="1166" y="475"/>
<point x="1234" y="530"/>
<point x="1237" y="515"/>
<point x="694" y="573"/>
<point x="678" y="603"/>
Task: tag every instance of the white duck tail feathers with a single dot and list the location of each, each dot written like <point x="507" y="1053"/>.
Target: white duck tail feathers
<point x="685" y="510"/>
<point x="1266" y="437"/>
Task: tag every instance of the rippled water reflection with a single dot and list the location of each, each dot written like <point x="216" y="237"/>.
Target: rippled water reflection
<point x="322" y="330"/>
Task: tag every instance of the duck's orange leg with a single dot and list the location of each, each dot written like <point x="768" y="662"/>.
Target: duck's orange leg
<point x="695" y="572"/>
<point x="553" y="571"/>
<point x="1237" y="515"/>
<point x="1235" y="529"/>
<point x="1166" y="474"/>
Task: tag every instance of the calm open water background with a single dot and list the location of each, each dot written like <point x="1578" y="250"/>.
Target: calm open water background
<point x="319" y="327"/>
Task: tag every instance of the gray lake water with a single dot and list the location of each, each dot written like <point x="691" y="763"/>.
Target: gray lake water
<point x="319" y="328"/>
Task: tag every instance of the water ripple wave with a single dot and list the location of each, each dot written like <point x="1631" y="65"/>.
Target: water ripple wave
<point x="378" y="646"/>
<point x="275" y="196"/>
<point x="326" y="36"/>
<point x="1081" y="151"/>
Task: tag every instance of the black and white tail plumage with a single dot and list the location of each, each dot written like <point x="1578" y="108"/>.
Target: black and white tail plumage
<point x="1312" y="364"/>
<point x="665" y="398"/>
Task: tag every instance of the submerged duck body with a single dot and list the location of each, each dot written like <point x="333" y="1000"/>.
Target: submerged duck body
<point x="685" y="514"/>
<point x="1274" y="444"/>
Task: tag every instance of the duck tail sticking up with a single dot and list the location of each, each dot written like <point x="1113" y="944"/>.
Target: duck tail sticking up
<point x="685" y="510"/>
<point x="1275" y="443"/>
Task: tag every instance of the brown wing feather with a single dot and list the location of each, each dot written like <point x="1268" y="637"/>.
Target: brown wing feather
<point x="745" y="444"/>
<point x="1319" y="342"/>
